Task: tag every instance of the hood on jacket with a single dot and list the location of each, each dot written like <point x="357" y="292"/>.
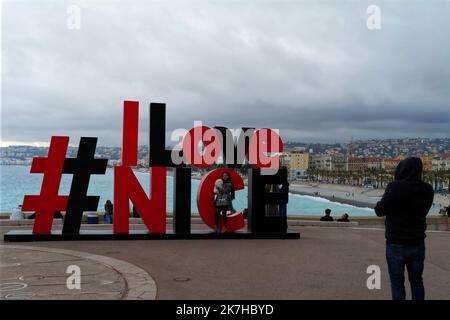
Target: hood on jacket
<point x="409" y="169"/>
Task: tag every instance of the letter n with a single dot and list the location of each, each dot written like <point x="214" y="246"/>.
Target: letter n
<point x="152" y="210"/>
<point x="127" y="187"/>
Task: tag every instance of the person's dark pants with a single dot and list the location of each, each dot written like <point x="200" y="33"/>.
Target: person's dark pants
<point x="413" y="257"/>
<point x="221" y="210"/>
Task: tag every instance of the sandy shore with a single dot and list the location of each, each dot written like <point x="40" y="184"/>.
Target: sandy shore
<point x="356" y="196"/>
<point x="352" y="195"/>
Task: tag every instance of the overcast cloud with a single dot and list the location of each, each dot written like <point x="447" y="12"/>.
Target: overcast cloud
<point x="310" y="68"/>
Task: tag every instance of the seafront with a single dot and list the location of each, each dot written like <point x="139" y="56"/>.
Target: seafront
<point x="435" y="222"/>
<point x="17" y="181"/>
<point x="355" y="195"/>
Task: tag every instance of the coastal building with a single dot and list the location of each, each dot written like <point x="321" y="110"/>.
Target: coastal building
<point x="390" y="164"/>
<point x="296" y="160"/>
<point x="365" y="163"/>
<point x="299" y="159"/>
<point x="320" y="162"/>
<point x="375" y="163"/>
<point x="338" y="162"/>
<point x="329" y="162"/>
<point x="427" y="162"/>
<point x="357" y="164"/>
<point x="441" y="162"/>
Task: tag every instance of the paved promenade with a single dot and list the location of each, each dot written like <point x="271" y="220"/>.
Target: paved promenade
<point x="29" y="272"/>
<point x="326" y="263"/>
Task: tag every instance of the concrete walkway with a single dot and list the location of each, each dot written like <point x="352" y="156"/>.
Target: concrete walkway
<point x="326" y="263"/>
<point x="40" y="273"/>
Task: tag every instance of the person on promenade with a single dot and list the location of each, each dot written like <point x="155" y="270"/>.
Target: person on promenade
<point x="135" y="213"/>
<point x="405" y="204"/>
<point x="284" y="188"/>
<point x="224" y="195"/>
<point x="447" y="210"/>
<point x="17" y="214"/>
<point x="58" y="215"/>
<point x="327" y="216"/>
<point x="343" y="218"/>
<point x="109" y="209"/>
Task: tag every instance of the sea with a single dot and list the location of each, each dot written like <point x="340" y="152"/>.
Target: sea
<point x="17" y="181"/>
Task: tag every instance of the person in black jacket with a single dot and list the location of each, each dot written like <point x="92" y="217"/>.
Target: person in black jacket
<point x="135" y="213"/>
<point x="109" y="211"/>
<point x="327" y="216"/>
<point x="405" y="204"/>
<point x="344" y="218"/>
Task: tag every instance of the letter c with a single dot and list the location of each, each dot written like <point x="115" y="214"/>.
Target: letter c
<point x="205" y="199"/>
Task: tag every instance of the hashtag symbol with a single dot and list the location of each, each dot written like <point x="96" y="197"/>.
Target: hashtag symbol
<point x="81" y="167"/>
<point x="48" y="201"/>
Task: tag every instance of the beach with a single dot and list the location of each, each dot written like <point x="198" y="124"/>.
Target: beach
<point x="354" y="195"/>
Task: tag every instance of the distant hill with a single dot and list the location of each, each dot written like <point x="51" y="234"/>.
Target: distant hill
<point x="380" y="147"/>
<point x="370" y="148"/>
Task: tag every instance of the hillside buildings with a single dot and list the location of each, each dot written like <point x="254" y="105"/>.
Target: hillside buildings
<point x="441" y="162"/>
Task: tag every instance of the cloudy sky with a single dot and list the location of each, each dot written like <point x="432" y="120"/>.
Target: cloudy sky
<point x="312" y="69"/>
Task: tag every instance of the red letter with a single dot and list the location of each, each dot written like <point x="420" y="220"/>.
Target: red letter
<point x="152" y="210"/>
<point x="130" y="130"/>
<point x="126" y="186"/>
<point x="205" y="199"/>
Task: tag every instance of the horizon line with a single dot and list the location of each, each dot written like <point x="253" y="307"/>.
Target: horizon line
<point x="42" y="144"/>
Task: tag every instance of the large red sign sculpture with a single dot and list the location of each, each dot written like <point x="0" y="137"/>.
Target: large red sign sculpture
<point x="258" y="150"/>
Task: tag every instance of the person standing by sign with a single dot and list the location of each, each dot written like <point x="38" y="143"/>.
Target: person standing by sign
<point x="447" y="210"/>
<point x="109" y="209"/>
<point x="224" y="195"/>
<point x="17" y="214"/>
<point x="405" y="204"/>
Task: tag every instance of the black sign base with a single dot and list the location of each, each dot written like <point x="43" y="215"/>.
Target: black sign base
<point x="27" y="235"/>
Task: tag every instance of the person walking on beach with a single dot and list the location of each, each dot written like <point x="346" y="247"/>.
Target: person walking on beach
<point x="109" y="209"/>
<point x="224" y="195"/>
<point x="327" y="216"/>
<point x="405" y="204"/>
